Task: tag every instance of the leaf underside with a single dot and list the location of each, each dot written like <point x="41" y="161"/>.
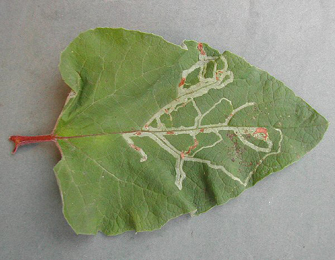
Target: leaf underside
<point x="152" y="130"/>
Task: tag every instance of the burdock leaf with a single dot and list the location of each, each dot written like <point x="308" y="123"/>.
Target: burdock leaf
<point x="152" y="130"/>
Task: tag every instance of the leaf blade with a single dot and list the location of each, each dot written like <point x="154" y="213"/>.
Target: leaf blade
<point x="139" y="151"/>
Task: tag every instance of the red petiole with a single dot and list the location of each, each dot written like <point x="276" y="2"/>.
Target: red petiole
<point x="23" y="140"/>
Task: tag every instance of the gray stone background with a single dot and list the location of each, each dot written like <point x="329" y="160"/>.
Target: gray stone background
<point x="289" y="215"/>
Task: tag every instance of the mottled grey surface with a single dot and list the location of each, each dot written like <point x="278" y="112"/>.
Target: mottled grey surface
<point x="289" y="215"/>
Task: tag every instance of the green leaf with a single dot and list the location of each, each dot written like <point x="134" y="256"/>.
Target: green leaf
<point x="152" y="130"/>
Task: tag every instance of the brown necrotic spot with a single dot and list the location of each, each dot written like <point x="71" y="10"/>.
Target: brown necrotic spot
<point x="136" y="148"/>
<point x="201" y="48"/>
